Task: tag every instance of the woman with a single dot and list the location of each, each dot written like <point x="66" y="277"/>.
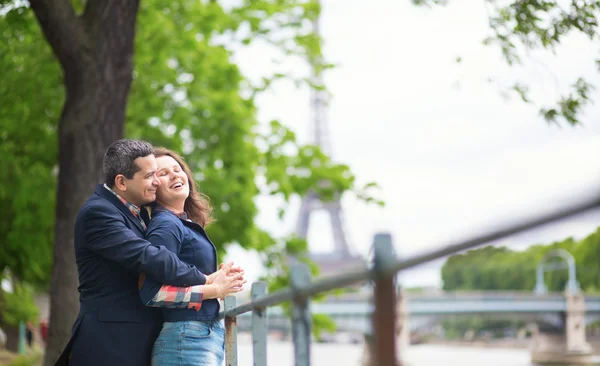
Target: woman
<point x="191" y="332"/>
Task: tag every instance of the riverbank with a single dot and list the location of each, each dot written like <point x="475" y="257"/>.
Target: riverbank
<point x="496" y="343"/>
<point x="282" y="354"/>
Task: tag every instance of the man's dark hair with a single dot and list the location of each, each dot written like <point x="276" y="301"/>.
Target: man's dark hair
<point x="120" y="157"/>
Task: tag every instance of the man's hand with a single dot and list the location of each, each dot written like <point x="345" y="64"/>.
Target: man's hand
<point x="230" y="269"/>
<point x="225" y="268"/>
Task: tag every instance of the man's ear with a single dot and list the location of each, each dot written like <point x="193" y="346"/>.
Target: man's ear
<point x="120" y="183"/>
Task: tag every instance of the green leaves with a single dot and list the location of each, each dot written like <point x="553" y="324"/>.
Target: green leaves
<point x="32" y="94"/>
<point x="322" y="323"/>
<point x="187" y="94"/>
<point x="18" y="306"/>
<point x="294" y="169"/>
<point x="572" y="105"/>
<point x="544" y="24"/>
<point x="519" y="27"/>
<point x="493" y="268"/>
<point x="522" y="91"/>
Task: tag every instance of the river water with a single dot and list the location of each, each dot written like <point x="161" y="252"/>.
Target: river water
<point x="281" y="354"/>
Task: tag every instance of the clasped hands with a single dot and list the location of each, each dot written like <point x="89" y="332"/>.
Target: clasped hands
<point x="228" y="280"/>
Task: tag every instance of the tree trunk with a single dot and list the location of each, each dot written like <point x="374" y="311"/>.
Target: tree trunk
<point x="12" y="337"/>
<point x="96" y="54"/>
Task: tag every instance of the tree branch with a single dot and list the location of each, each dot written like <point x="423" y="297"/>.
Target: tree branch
<point x="62" y="29"/>
<point x="100" y="15"/>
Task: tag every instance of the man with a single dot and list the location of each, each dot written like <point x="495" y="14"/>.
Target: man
<point x="113" y="326"/>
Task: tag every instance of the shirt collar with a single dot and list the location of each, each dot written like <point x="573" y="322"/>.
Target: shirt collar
<point x="182" y="215"/>
<point x="133" y="208"/>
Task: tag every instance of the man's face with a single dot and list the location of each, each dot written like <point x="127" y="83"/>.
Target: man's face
<point x="141" y="189"/>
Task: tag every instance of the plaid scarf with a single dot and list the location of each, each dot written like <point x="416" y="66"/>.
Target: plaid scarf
<point x="133" y="208"/>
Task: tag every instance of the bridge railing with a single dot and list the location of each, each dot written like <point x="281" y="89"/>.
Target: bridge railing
<point x="382" y="273"/>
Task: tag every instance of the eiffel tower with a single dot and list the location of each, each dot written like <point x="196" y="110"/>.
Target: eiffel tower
<point x="341" y="258"/>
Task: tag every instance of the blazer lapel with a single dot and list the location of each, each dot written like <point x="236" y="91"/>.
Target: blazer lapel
<point x="104" y="193"/>
<point x="200" y="229"/>
<point x="197" y="227"/>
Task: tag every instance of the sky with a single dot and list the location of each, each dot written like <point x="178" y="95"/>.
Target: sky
<point x="452" y="154"/>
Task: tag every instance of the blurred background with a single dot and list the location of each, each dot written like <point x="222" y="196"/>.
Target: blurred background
<point x="432" y="122"/>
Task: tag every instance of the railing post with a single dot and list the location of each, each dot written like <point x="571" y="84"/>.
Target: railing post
<point x="22" y="338"/>
<point x="230" y="333"/>
<point x="301" y="318"/>
<point x="384" y="316"/>
<point x="259" y="326"/>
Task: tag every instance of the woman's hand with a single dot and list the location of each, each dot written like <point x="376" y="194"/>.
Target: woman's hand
<point x="229" y="268"/>
<point x="226" y="268"/>
<point x="226" y="285"/>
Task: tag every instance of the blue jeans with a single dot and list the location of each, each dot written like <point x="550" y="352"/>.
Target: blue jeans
<point x="193" y="343"/>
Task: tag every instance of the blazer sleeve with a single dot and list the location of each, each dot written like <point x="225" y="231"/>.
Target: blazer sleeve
<point x="107" y="235"/>
<point x="152" y="292"/>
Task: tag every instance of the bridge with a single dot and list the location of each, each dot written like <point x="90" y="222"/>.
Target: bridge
<point x="560" y="318"/>
<point x="353" y="312"/>
<point x="392" y="308"/>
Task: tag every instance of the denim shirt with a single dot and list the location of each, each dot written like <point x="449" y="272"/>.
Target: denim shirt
<point x="190" y="242"/>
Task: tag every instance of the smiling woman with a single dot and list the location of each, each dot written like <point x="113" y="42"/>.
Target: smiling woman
<point x="192" y="334"/>
<point x="174" y="182"/>
<point x="178" y="188"/>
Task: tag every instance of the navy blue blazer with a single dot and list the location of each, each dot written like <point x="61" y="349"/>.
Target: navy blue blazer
<point x="191" y="244"/>
<point x="113" y="326"/>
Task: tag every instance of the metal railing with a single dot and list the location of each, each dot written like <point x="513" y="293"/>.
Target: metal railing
<point x="385" y="266"/>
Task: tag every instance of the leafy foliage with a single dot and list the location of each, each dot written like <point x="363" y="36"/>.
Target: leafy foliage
<point x="520" y="26"/>
<point x="18" y="306"/>
<point x="189" y="95"/>
<point x="28" y="143"/>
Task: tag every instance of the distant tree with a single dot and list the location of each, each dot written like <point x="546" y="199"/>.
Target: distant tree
<point x="493" y="268"/>
<point x="587" y="257"/>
